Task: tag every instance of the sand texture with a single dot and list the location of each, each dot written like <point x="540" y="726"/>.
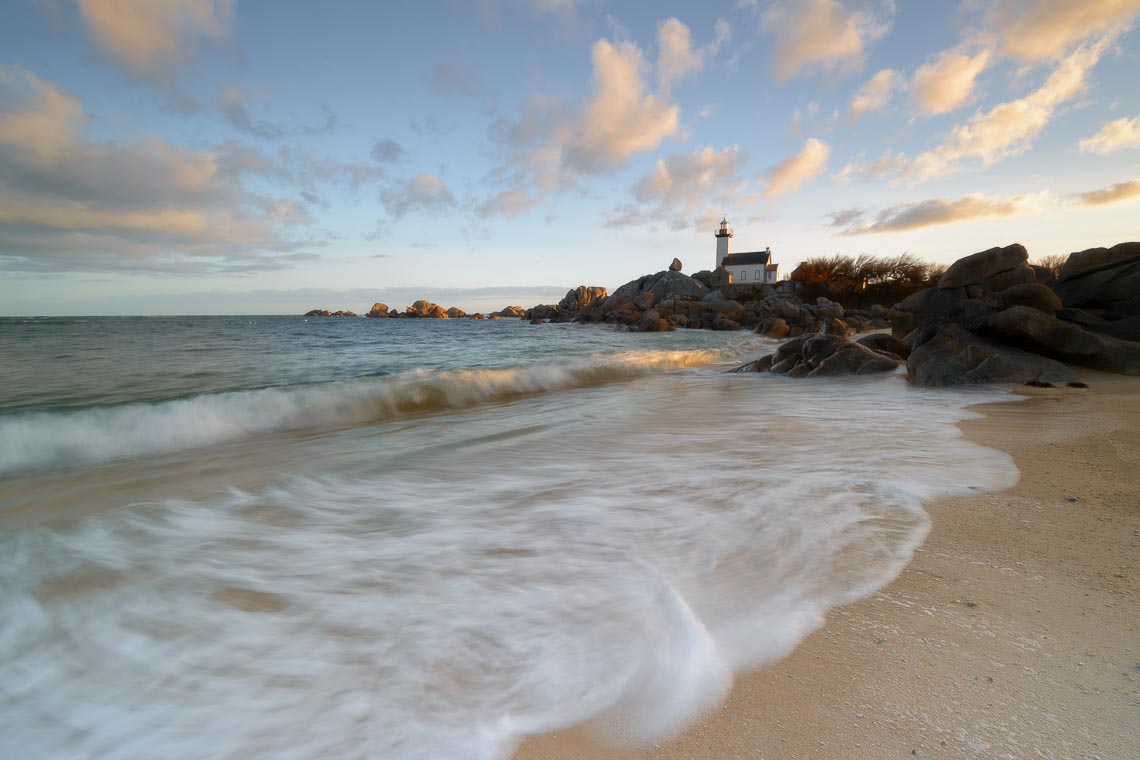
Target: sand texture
<point x="1012" y="634"/>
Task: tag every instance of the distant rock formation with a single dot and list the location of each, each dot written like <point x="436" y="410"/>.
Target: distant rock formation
<point x="327" y="313"/>
<point x="379" y="310"/>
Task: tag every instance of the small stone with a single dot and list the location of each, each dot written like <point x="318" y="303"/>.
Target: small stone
<point x="971" y="603"/>
<point x="1076" y="384"/>
<point x="1070" y="498"/>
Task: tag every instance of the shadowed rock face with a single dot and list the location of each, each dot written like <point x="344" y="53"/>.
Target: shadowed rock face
<point x="1102" y="281"/>
<point x="822" y="356"/>
<point x="989" y="320"/>
<point x="953" y="356"/>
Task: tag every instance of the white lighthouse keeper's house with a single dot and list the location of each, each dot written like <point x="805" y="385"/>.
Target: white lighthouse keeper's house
<point x="752" y="267"/>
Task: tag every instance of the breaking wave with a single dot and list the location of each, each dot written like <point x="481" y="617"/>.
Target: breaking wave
<point x="33" y="440"/>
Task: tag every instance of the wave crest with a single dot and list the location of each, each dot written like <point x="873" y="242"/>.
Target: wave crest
<point x="34" y="440"/>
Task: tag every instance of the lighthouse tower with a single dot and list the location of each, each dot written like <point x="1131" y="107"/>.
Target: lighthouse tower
<point x="723" y="236"/>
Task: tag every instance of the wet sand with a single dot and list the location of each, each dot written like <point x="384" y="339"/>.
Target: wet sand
<point x="1012" y="634"/>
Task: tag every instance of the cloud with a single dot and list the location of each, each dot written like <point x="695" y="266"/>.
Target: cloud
<point x="874" y="95"/>
<point x="791" y="173"/>
<point x="150" y="39"/>
<point x="1112" y="136"/>
<point x="621" y="118"/>
<point x="676" y="56"/>
<point x="947" y="82"/>
<point x="70" y="202"/>
<point x="231" y="104"/>
<point x="1009" y="128"/>
<point x="1005" y="130"/>
<point x="680" y="188"/>
<point x="819" y="34"/>
<point x="1037" y="30"/>
<point x="425" y="192"/>
<point x="919" y="214"/>
<point x="1121" y="191"/>
<point x="551" y="144"/>
<point x="388" y="151"/>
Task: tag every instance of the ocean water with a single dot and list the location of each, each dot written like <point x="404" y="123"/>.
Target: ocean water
<point x="233" y="537"/>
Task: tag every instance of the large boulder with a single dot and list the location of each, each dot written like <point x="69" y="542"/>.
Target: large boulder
<point x="1036" y="331"/>
<point x="424" y="309"/>
<point x="995" y="269"/>
<point x="1103" y="281"/>
<point x="456" y="313"/>
<point x="378" y="310"/>
<point x="1031" y="294"/>
<point x="580" y="298"/>
<point x="886" y="343"/>
<point x="675" y="266"/>
<point x="953" y="356"/>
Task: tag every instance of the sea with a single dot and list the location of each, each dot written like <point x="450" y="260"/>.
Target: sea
<point x="290" y="537"/>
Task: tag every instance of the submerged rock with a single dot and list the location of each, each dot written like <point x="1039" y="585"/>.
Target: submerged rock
<point x="822" y="356"/>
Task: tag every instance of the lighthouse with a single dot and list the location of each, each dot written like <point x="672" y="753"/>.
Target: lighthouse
<point x="723" y="236"/>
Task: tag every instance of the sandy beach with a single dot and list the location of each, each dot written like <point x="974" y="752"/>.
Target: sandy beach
<point x="1012" y="634"/>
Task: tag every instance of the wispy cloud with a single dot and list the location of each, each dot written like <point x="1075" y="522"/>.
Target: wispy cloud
<point x="874" y="95"/>
<point x="423" y="192"/>
<point x="821" y="34"/>
<point x="1121" y="191"/>
<point x="916" y="215"/>
<point x="791" y="173"/>
<point x="151" y="39"/>
<point x="1121" y="134"/>
<point x="947" y="82"/>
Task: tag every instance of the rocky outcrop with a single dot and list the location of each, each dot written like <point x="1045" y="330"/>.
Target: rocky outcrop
<point x="456" y="313"/>
<point x="990" y="321"/>
<point x="327" y="313"/>
<point x="379" y="310"/>
<point x="1104" y="282"/>
<point x="822" y="356"/>
<point x="424" y="309"/>
<point x="579" y="298"/>
<point x="953" y="356"/>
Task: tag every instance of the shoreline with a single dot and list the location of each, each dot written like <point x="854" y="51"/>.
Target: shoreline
<point x="1013" y="632"/>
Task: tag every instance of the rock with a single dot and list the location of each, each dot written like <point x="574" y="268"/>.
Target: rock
<point x="724" y="324"/>
<point x="423" y="309"/>
<point x="580" y="298"/>
<point x="1097" y="259"/>
<point x="1031" y="294"/>
<point x="511" y="311"/>
<point x="1102" y="281"/>
<point x="542" y="312"/>
<point x="775" y="328"/>
<point x="647" y="319"/>
<point x="477" y="315"/>
<point x="378" y="310"/>
<point x="763" y="364"/>
<point x="675" y="266"/>
<point x="979" y="267"/>
<point x="1028" y="328"/>
<point x="884" y="342"/>
<point x="718" y="278"/>
<point x="825" y="309"/>
<point x="835" y="326"/>
<point x="825" y="355"/>
<point x="727" y="309"/>
<point x="953" y="356"/>
<point x="455" y="313"/>
<point x="644" y="300"/>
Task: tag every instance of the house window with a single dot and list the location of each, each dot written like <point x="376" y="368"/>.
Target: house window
<point x="759" y="274"/>
<point x="743" y="275"/>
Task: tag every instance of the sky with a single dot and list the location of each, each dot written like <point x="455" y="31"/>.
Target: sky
<point x="261" y="157"/>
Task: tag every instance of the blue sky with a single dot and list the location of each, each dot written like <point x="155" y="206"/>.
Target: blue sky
<point x="227" y="156"/>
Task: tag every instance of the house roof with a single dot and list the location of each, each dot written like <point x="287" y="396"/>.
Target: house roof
<point x="745" y="259"/>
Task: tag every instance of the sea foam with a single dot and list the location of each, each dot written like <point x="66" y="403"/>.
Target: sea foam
<point x="613" y="569"/>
